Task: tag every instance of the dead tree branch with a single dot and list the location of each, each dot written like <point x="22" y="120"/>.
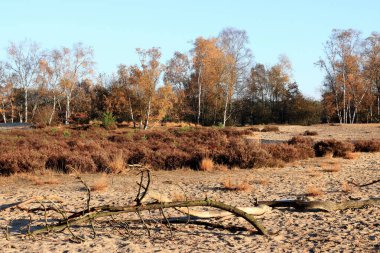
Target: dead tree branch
<point x="367" y="184"/>
<point x="327" y="206"/>
<point x="105" y="211"/>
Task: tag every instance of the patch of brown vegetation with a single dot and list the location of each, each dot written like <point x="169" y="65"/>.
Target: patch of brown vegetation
<point x="270" y="128"/>
<point x="236" y="185"/>
<point x="117" y="163"/>
<point x="334" y="147"/>
<point x="261" y="181"/>
<point x="98" y="150"/>
<point x="310" y="133"/>
<point x="314" y="191"/>
<point x="332" y="167"/>
<point x="351" y="156"/>
<point x="367" y="146"/>
<point x="346" y="187"/>
<point x="100" y="184"/>
<point x="206" y="164"/>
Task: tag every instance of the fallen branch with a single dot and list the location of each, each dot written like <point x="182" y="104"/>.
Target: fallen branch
<point x="367" y="184"/>
<point x="105" y="211"/>
<point x="327" y="206"/>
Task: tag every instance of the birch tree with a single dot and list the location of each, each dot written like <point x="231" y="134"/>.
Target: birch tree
<point x="78" y="64"/>
<point x="23" y="62"/>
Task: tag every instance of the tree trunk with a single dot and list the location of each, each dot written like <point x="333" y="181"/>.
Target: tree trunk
<point x="131" y="111"/>
<point x="26" y="104"/>
<point x="199" y="96"/>
<point x="67" y="115"/>
<point x="225" y="108"/>
<point x="53" y="111"/>
<point x="3" y="111"/>
<point x="12" y="111"/>
<point x="147" y="114"/>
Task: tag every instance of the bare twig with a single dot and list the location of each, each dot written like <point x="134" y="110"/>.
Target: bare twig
<point x="364" y="185"/>
<point x="143" y="189"/>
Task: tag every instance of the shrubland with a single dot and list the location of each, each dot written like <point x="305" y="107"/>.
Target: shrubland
<point x="110" y="151"/>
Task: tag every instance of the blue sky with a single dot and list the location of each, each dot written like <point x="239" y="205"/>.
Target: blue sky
<point x="114" y="28"/>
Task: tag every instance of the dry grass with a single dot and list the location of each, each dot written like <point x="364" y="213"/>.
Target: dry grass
<point x="351" y="156"/>
<point x="243" y="186"/>
<point x="346" y="187"/>
<point x="332" y="167"/>
<point x="220" y="167"/>
<point x="262" y="181"/>
<point x="314" y="191"/>
<point x="206" y="164"/>
<point x="41" y="179"/>
<point x="178" y="196"/>
<point x="117" y="163"/>
<point x="100" y="184"/>
<point x="313" y="173"/>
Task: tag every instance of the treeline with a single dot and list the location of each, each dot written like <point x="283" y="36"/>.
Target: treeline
<point x="351" y="91"/>
<point x="216" y="83"/>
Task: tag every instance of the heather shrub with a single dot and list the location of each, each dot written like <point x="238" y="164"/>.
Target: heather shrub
<point x="310" y="133"/>
<point x="270" y="129"/>
<point x="167" y="149"/>
<point x="367" y="146"/>
<point x="334" y="147"/>
<point x="254" y="129"/>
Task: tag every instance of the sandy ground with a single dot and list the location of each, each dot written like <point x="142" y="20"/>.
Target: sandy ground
<point x="340" y="231"/>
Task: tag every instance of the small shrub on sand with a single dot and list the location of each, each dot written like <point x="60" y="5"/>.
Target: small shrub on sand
<point x="100" y="184"/>
<point x="346" y="187"/>
<point x="310" y="133"/>
<point x="117" y="163"/>
<point x="236" y="186"/>
<point x="206" y="164"/>
<point x="314" y="191"/>
<point x="270" y="129"/>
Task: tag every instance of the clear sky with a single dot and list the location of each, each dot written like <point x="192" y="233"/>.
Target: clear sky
<point x="114" y="28"/>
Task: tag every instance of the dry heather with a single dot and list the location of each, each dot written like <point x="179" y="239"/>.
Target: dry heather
<point x="310" y="133"/>
<point x="99" y="150"/>
<point x="270" y="129"/>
